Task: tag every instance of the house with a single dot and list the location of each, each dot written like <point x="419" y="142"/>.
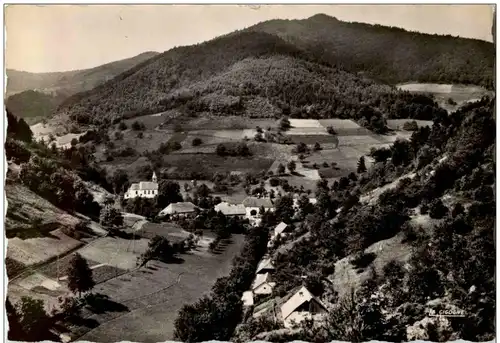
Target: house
<point x="143" y="189"/>
<point x="247" y="298"/>
<point x="281" y="229"/>
<point x="231" y="210"/>
<point x="300" y="306"/>
<point x="179" y="208"/>
<point x="254" y="204"/>
<point x="265" y="266"/>
<point x="262" y="284"/>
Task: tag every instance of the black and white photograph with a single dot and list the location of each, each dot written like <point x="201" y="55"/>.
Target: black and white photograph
<point x="249" y="172"/>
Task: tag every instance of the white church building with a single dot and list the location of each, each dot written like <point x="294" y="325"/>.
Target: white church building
<point x="143" y="189"/>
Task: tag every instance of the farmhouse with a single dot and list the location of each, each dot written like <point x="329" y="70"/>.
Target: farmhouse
<point x="143" y="189"/>
<point x="178" y="208"/>
<point x="231" y="210"/>
<point x="262" y="284"/>
<point x="265" y="266"/>
<point x="253" y="205"/>
<point x="302" y="305"/>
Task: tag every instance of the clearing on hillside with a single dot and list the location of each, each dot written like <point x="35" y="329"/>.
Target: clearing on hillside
<point x="152" y="296"/>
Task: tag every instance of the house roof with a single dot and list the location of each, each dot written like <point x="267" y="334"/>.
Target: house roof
<point x="134" y="187"/>
<point x="301" y="296"/>
<point x="257" y="202"/>
<point x="148" y="185"/>
<point x="261" y="279"/>
<point x="179" y="207"/>
<point x="265" y="264"/>
<point x="280" y="228"/>
<point x="230" y="209"/>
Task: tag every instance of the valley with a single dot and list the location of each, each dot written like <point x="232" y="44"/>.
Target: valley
<point x="288" y="181"/>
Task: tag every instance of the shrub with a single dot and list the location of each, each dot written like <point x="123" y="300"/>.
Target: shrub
<point x="122" y="126"/>
<point x="410" y="126"/>
<point x="196" y="141"/>
<point x="424" y="209"/>
<point x="138" y="126"/>
<point x="362" y="259"/>
<point x="274" y="182"/>
<point x="437" y="209"/>
<point x="331" y="130"/>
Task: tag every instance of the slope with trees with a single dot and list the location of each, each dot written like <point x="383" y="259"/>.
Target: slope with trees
<point x="390" y="54"/>
<point x="249" y="73"/>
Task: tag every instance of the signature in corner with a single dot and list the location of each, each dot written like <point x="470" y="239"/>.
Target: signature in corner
<point x="447" y="313"/>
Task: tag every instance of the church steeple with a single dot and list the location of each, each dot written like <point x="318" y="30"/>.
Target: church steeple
<point x="154" y="179"/>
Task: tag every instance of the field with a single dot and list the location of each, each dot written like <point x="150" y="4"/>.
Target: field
<point x="442" y="92"/>
<point x="212" y="163"/>
<point x="344" y="149"/>
<point x="153" y="295"/>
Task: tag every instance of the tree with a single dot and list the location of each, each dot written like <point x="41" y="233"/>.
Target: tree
<point x="79" y="275"/>
<point x="23" y="131"/>
<point x="317" y="146"/>
<point x="168" y="192"/>
<point x="291" y="166"/>
<point x="361" y="165"/>
<point x="221" y="150"/>
<point x="119" y="181"/>
<point x="84" y="200"/>
<point x="305" y="205"/>
<point x="111" y="217"/>
<point x="122" y="126"/>
<point x="196" y="141"/>
<point x="34" y="319"/>
<point x="137" y="126"/>
<point x="15" y="330"/>
<point x="400" y="152"/>
<point x="284" y="208"/>
<point x="285" y="124"/>
<point x="437" y="209"/>
<point x="281" y="169"/>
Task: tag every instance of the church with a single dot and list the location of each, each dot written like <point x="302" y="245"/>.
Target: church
<point x="143" y="189"/>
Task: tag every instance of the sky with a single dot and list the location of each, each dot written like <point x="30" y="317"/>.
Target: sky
<point x="68" y="37"/>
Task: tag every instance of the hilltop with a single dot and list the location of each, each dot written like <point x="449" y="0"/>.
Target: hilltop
<point x="323" y="60"/>
<point x="35" y="96"/>
<point x="389" y="54"/>
<point x="251" y="74"/>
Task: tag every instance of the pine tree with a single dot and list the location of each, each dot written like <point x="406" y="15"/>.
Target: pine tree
<point x="361" y="165"/>
<point x="79" y="275"/>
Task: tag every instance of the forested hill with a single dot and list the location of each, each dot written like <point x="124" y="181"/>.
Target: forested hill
<point x="253" y="74"/>
<point x="35" y="96"/>
<point x="70" y="82"/>
<point x="387" y="53"/>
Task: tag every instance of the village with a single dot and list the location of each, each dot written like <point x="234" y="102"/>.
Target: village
<point x="297" y="306"/>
